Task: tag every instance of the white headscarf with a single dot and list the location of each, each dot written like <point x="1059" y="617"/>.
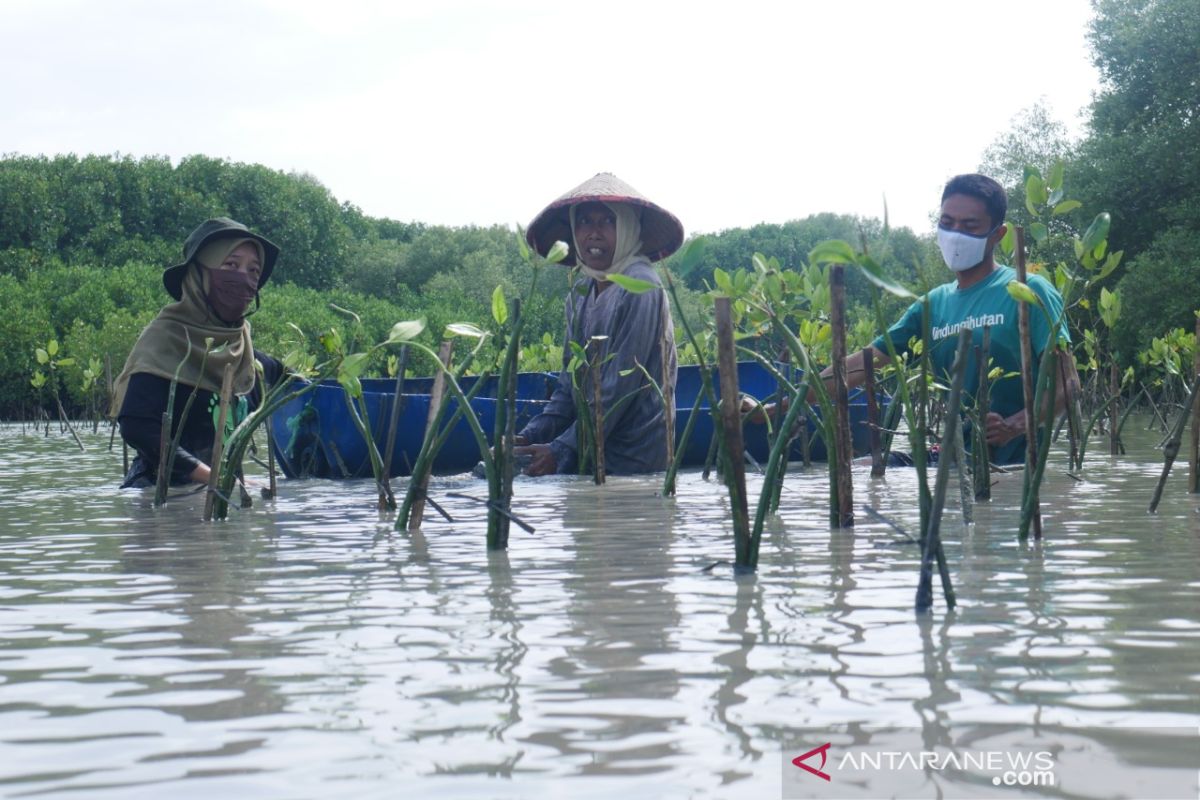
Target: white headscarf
<point x="629" y="241"/>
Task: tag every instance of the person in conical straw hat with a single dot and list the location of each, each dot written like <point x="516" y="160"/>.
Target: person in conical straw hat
<point x="224" y="266"/>
<point x="611" y="229"/>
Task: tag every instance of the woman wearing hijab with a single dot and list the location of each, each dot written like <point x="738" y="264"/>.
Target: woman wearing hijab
<point x="224" y="265"/>
<point x="612" y="229"/>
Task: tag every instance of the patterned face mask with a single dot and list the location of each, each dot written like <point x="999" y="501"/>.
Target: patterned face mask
<point x="230" y="293"/>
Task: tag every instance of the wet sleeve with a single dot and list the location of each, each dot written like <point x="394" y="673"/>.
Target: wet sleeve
<point x="140" y="420"/>
<point x="559" y="412"/>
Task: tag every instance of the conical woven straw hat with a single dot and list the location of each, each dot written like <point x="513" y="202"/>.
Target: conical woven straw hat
<point x="662" y="233"/>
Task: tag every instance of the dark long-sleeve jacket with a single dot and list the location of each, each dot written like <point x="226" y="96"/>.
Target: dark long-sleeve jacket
<point x="635" y="325"/>
<point x="140" y="420"/>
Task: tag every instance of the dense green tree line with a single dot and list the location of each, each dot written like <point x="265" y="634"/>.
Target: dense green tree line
<point x="83" y="240"/>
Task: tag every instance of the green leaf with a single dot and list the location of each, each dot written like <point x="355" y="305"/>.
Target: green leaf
<point x="760" y="263"/>
<point x="632" y="285"/>
<point x="721" y="278"/>
<point x="1064" y="207"/>
<point x="351" y="384"/>
<point x="874" y="273"/>
<point x="52" y="347"/>
<point x="1097" y="232"/>
<point x="64" y="362"/>
<point x="558" y="251"/>
<point x="1009" y="241"/>
<point x="522" y="245"/>
<point x="464" y="329"/>
<point x="499" y="306"/>
<point x="1022" y="293"/>
<point x="1039" y="232"/>
<point x="42" y="356"/>
<point x="405" y="331"/>
<point x="38" y="380"/>
<point x="1110" y="264"/>
<point x="1035" y="193"/>
<point x="691" y="255"/>
<point x="1055" y="181"/>
<point x="832" y="251"/>
<point x="353" y="365"/>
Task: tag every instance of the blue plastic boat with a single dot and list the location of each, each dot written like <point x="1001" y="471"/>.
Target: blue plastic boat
<point x="315" y="436"/>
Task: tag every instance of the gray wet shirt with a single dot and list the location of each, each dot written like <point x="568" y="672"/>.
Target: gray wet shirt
<point x="635" y="433"/>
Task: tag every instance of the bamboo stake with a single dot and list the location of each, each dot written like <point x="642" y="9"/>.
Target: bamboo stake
<point x="1171" y="448"/>
<point x="745" y="548"/>
<point x="668" y="388"/>
<point x="931" y="542"/>
<point x="437" y="395"/>
<point x="163" y="478"/>
<point x="1194" y="455"/>
<point x="214" y="471"/>
<point x="877" y="463"/>
<point x="983" y="400"/>
<point x="1027" y="382"/>
<point x="271" y="490"/>
<point x="843" y="515"/>
<point x="1114" y="391"/>
<point x="597" y="411"/>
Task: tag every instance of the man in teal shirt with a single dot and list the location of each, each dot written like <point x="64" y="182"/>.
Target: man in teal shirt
<point x="969" y="228"/>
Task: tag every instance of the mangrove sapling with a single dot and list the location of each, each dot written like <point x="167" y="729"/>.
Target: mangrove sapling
<point x="169" y="445"/>
<point x="931" y="540"/>
<point x="214" y="473"/>
<point x="47" y="357"/>
<point x="1171" y="448"/>
<point x="841" y="428"/>
<point x="689" y="257"/>
<point x="728" y="420"/>
<point x="500" y="478"/>
<point x="878" y="465"/>
<point x="431" y="444"/>
<point x="400" y="364"/>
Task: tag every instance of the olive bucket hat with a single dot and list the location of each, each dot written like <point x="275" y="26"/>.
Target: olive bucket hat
<point x="217" y="228"/>
<point x="662" y="233"/>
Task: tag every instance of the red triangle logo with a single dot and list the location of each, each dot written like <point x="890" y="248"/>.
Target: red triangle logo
<point x="799" y="761"/>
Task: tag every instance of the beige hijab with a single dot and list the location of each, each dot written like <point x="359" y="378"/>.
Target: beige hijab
<point x="629" y="241"/>
<point x="178" y="335"/>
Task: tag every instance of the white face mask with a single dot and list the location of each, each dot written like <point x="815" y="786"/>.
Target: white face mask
<point x="962" y="251"/>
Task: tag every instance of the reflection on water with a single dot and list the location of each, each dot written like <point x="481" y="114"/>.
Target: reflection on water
<point x="304" y="649"/>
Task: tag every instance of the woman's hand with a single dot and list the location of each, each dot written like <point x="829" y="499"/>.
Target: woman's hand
<point x="1002" y="430"/>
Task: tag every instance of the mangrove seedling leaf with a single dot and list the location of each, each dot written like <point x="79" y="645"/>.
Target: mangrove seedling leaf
<point x="1035" y="193"/>
<point x="1110" y="264"/>
<point x="1039" y="231"/>
<point x="405" y="331"/>
<point x="1055" y="181"/>
<point x="499" y="306"/>
<point x="1097" y="232"/>
<point x="522" y="245"/>
<point x="832" y="251"/>
<point x="1064" y="207"/>
<point x="1008" y="242"/>
<point x="345" y="312"/>
<point x="38" y="380"/>
<point x="351" y="384"/>
<point x="873" y="272"/>
<point x="52" y="347"/>
<point x="353" y="365"/>
<point x="558" y="251"/>
<point x="464" y="329"/>
<point x="691" y="254"/>
<point x="42" y="356"/>
<point x="1021" y="292"/>
<point x="632" y="285"/>
<point x="64" y="362"/>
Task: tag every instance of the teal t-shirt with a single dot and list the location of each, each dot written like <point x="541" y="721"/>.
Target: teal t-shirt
<point x="986" y="304"/>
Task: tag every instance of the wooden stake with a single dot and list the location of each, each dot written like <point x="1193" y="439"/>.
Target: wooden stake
<point x="1194" y="455"/>
<point x="162" y="478"/>
<point x="271" y="485"/>
<point x="393" y="424"/>
<point x="436" y="396"/>
<point x="843" y="445"/>
<point x="983" y="400"/>
<point x="1114" y="389"/>
<point x="214" y="471"/>
<point x="731" y="431"/>
<point x="1027" y="367"/>
<point x="667" y="386"/>
<point x="594" y="370"/>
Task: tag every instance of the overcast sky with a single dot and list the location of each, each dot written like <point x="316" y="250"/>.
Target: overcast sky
<point x="465" y="112"/>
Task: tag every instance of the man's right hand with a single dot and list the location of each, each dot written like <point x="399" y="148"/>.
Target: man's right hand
<point x="542" y="460"/>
